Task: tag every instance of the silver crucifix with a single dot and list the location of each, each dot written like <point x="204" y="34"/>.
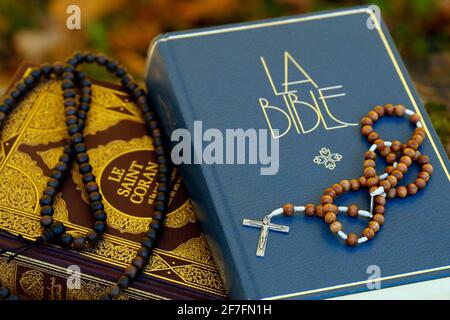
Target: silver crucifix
<point x="265" y="226"/>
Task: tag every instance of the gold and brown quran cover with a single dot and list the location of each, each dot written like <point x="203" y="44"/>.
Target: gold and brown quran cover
<point x="124" y="163"/>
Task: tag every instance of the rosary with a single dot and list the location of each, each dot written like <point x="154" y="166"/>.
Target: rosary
<point x="379" y="187"/>
<point x="77" y="93"/>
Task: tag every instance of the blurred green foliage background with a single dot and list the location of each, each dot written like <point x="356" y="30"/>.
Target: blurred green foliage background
<point x="36" y="31"/>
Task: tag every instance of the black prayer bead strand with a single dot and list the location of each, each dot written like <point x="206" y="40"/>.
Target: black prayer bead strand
<point x="160" y="208"/>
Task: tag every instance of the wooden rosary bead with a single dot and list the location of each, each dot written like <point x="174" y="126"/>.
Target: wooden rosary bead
<point x="417" y="154"/>
<point x="397" y="174"/>
<point x="310" y="210"/>
<point x="345" y="185"/>
<point x="375" y="226"/>
<point x="379" y="209"/>
<point x="366" y="121"/>
<point x="352" y="210"/>
<point x="369" y="172"/>
<point x="330" y="217"/>
<point x="366" y="130"/>
<point x="379" y="218"/>
<point x="78" y="242"/>
<point x="396" y="145"/>
<point x="414" y="118"/>
<point x="406" y="160"/>
<point x="354" y="184"/>
<point x="368" y="233"/>
<point x="423" y="160"/>
<point x="379" y="110"/>
<point x="362" y="181"/>
<point x="328" y="207"/>
<point x="373" y="115"/>
<point x="326" y="199"/>
<point x="370" y="155"/>
<point x="319" y="211"/>
<point x="391" y="158"/>
<point x="335" y="226"/>
<point x="389" y="109"/>
<point x="399" y="110"/>
<point x="392" y="180"/>
<point x="288" y="209"/>
<point x="380" y="200"/>
<point x="352" y="239"/>
<point x="330" y="192"/>
<point x="385" y="151"/>
<point x="389" y="169"/>
<point x="409" y="152"/>
<point x="338" y="188"/>
<point x="413" y="144"/>
<point x="424" y="175"/>
<point x="392" y="193"/>
<point x="372" y="136"/>
<point x="421" y="132"/>
<point x="373" y="181"/>
<point x="418" y="139"/>
<point x="428" y="168"/>
<point x="379" y="143"/>
<point x="420" y="183"/>
<point x="412" y="189"/>
<point x="402" y="192"/>
<point x="369" y="163"/>
<point x="402" y="167"/>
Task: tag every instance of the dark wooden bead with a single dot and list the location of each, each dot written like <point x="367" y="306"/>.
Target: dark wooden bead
<point x="123" y="282"/>
<point x="423" y="160"/>
<point x="397" y="174"/>
<point x="95" y="196"/>
<point x="92" y="236"/>
<point x="100" y="226"/>
<point x="352" y="239"/>
<point x="413" y="144"/>
<point x="391" y="157"/>
<point x="131" y="272"/>
<point x="144" y="253"/>
<point x="138" y="262"/>
<point x="414" y="118"/>
<point x="92" y="187"/>
<point x="46" y="211"/>
<point x="114" y="292"/>
<point x="4" y="293"/>
<point x="46" y="221"/>
<point x="380" y="200"/>
<point x="66" y="239"/>
<point x="148" y="243"/>
<point x="79" y="242"/>
<point x="57" y="228"/>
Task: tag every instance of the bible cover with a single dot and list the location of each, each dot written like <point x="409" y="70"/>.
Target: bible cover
<point x="312" y="77"/>
<point x="123" y="161"/>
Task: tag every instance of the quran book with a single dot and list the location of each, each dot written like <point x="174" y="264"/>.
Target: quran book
<point x="123" y="161"/>
<point x="307" y="80"/>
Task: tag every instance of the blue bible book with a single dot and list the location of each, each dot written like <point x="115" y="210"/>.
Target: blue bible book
<point x="307" y="80"/>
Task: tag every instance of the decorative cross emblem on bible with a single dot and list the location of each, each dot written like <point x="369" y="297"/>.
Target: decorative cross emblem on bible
<point x="265" y="226"/>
